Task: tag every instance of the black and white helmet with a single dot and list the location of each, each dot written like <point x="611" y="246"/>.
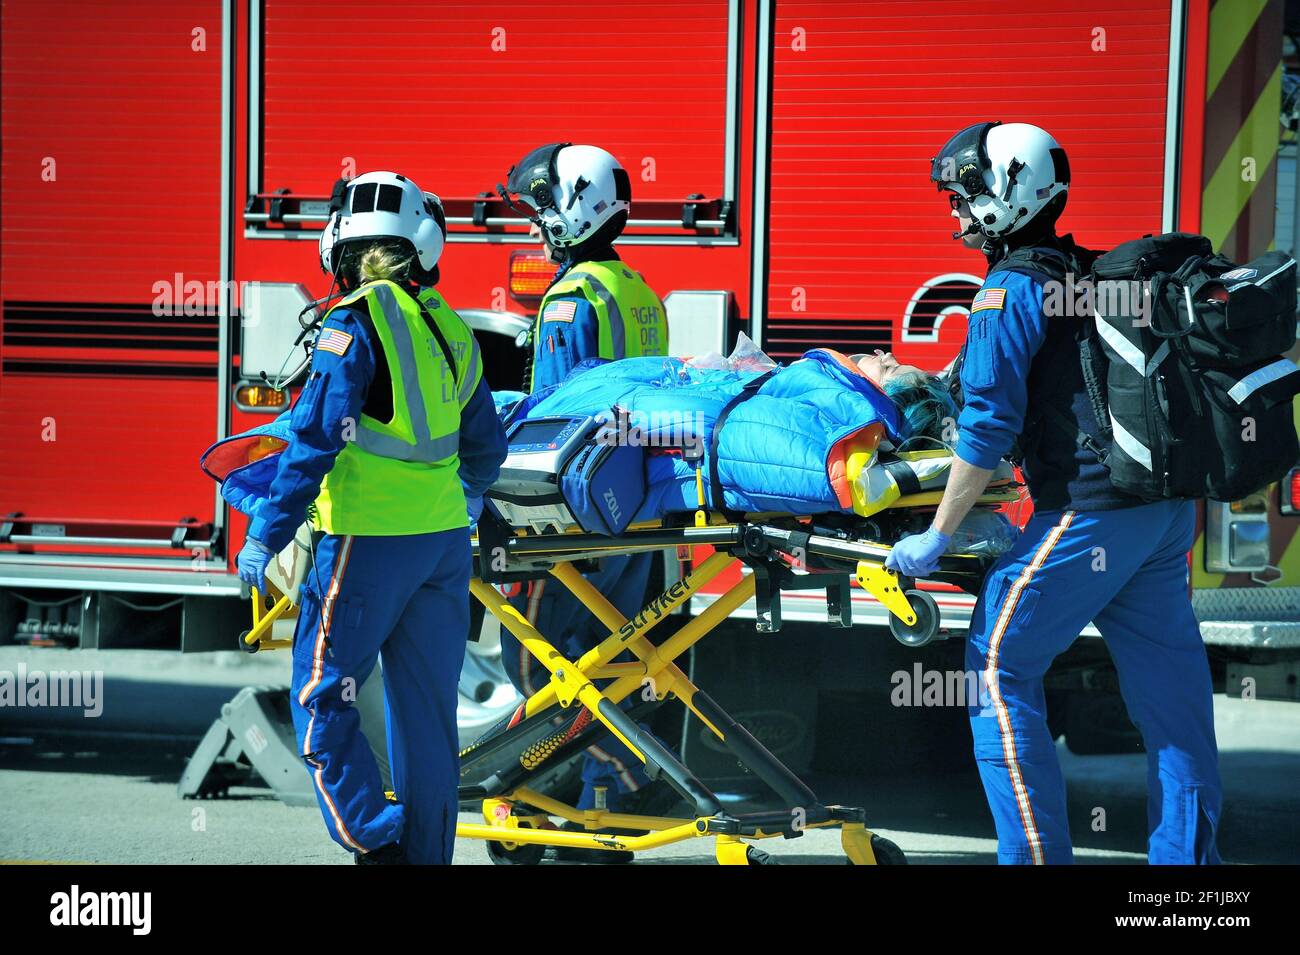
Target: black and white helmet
<point x="569" y="192"/>
<point x="1007" y="173"/>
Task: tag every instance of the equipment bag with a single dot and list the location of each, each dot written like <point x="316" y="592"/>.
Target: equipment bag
<point x="570" y="473"/>
<point x="604" y="483"/>
<point x="1186" y="350"/>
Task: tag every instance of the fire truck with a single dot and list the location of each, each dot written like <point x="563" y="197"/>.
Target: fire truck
<point x="167" y="167"/>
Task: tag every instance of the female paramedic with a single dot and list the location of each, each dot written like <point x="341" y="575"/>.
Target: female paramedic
<point x="395" y="438"/>
<point x="1089" y="553"/>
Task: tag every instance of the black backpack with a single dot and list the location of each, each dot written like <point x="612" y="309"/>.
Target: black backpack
<point x="1183" y="364"/>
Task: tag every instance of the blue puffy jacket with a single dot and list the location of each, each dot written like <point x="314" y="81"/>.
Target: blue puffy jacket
<point x="776" y="450"/>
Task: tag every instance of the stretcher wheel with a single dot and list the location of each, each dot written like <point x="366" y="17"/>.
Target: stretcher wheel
<point x="886" y="852"/>
<point x="521" y="854"/>
<point x="926" y="627"/>
<point x="247" y="647"/>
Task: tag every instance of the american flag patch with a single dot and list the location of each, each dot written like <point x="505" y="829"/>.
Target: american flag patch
<point x="561" y="311"/>
<point x="989" y="298"/>
<point x="334" y="340"/>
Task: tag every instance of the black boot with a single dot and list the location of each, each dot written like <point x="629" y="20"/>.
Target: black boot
<point x="390" y="854"/>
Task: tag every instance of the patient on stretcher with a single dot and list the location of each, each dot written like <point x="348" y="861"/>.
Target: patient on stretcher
<point x="828" y="433"/>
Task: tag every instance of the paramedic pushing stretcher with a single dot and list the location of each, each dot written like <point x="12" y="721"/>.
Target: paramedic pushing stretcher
<point x="395" y="440"/>
<point x="578" y="198"/>
<point x="1090" y="552"/>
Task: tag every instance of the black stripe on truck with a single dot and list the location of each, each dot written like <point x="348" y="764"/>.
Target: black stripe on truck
<point x="93" y="326"/>
<point x="79" y="369"/>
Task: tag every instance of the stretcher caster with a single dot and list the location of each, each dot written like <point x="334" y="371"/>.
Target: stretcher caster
<point x="246" y="646"/>
<point x="523" y="853"/>
<point x="885" y="852"/>
<point x="926" y="627"/>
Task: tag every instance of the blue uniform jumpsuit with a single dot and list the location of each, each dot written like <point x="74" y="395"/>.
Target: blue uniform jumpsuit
<point x="402" y="598"/>
<point x="548" y="605"/>
<point x="1122" y="565"/>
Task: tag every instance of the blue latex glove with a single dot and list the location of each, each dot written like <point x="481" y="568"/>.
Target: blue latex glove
<point x="474" y="505"/>
<point x="917" y="555"/>
<point x="251" y="563"/>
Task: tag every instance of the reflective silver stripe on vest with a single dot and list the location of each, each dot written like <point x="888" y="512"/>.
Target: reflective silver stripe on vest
<point x="1260" y="377"/>
<point x="426" y="447"/>
<point x="468" y="383"/>
<point x="617" y="333"/>
<point x="1130" y="445"/>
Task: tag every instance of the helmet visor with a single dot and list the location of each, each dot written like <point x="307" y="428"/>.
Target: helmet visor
<point x="962" y="161"/>
<point x="531" y="181"/>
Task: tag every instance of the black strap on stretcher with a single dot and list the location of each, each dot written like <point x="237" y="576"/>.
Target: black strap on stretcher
<point x="715" y="483"/>
<point x="903" y="475"/>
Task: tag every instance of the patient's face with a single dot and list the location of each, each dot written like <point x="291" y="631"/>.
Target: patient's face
<point x="882" y="366"/>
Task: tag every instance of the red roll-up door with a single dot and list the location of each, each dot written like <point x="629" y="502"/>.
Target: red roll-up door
<point x="865" y="93"/>
<point x="452" y="94"/>
<point x="111" y="186"/>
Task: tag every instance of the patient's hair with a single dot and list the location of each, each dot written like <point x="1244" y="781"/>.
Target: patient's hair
<point x="925" y="403"/>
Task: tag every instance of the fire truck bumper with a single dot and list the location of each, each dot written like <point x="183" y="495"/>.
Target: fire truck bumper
<point x="1255" y="617"/>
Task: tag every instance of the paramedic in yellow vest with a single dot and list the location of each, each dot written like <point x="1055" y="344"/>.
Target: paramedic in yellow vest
<point x="597" y="307"/>
<point x="395" y="439"/>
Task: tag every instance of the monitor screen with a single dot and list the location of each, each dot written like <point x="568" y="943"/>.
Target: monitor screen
<point x="543" y="431"/>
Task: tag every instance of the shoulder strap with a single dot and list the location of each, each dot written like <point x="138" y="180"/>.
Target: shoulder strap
<point x="715" y="484"/>
<point x="1040" y="262"/>
<point x="441" y="339"/>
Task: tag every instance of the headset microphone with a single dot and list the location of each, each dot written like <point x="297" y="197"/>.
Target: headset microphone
<point x="972" y="228"/>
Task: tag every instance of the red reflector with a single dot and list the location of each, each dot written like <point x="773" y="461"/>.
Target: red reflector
<point x="530" y="275"/>
<point x="1293" y="489"/>
<point x="1218" y="294"/>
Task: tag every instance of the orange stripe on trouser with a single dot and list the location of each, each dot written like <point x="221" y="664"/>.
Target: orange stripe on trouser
<point x="322" y="629"/>
<point x="317" y="671"/>
<point x="991" y="682"/>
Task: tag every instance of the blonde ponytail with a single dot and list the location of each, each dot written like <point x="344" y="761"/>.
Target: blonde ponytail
<point x="385" y="261"/>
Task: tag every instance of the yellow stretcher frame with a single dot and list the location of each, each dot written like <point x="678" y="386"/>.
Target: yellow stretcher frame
<point x="520" y="817"/>
<point x="517" y="821"/>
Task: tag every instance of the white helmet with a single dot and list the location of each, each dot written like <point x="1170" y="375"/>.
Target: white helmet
<point x="569" y="191"/>
<point x="1007" y="174"/>
<point x="384" y="205"/>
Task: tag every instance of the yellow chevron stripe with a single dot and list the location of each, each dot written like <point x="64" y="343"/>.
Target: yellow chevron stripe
<point x="1230" y="23"/>
<point x="1257" y="140"/>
